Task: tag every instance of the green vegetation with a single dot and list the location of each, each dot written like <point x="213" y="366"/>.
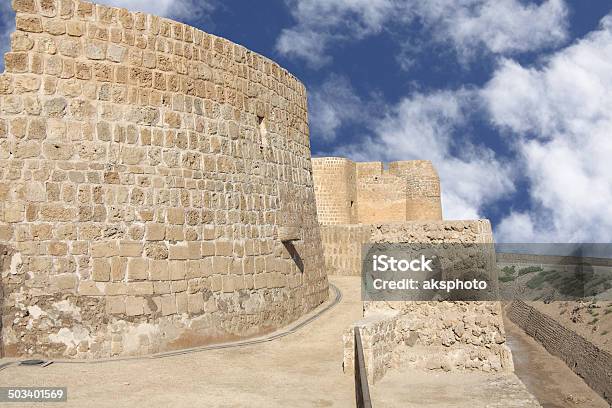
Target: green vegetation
<point x="509" y="270"/>
<point x="508" y="274"/>
<point x="529" y="269"/>
<point x="577" y="284"/>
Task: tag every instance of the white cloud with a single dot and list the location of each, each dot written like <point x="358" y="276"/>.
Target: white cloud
<point x="322" y="21"/>
<point x="496" y="26"/>
<point x="427" y="126"/>
<point x="333" y="104"/>
<point x="560" y="117"/>
<point x="499" y="26"/>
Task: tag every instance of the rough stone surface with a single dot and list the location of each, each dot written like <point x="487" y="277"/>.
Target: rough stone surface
<point x="351" y="193"/>
<point x="131" y="144"/>
<point x="590" y="362"/>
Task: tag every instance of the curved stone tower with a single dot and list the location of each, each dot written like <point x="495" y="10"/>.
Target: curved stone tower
<point x="422" y="189"/>
<point x="367" y="193"/>
<point x="335" y="189"/>
<point x="147" y="170"/>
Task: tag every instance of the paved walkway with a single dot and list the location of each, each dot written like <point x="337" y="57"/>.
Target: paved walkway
<point x="302" y="369"/>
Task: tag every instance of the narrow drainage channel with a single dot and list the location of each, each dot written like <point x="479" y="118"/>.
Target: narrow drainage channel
<point x="547" y="377"/>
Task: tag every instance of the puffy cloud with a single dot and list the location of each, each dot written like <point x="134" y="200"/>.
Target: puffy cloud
<point x="496" y="26"/>
<point x="559" y="117"/>
<point x="332" y="105"/>
<point x="430" y="126"/>
<point x="321" y="21"/>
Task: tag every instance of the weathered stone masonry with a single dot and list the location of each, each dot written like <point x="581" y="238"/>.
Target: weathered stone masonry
<point x="350" y="192"/>
<point x="146" y="172"/>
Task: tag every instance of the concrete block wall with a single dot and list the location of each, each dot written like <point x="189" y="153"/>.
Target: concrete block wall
<point x="146" y="168"/>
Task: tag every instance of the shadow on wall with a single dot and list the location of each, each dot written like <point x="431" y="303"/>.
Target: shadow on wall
<point x="294" y="255"/>
<point x="5" y="260"/>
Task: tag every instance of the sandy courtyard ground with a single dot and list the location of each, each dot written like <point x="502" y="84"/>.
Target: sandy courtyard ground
<point x="302" y="369"/>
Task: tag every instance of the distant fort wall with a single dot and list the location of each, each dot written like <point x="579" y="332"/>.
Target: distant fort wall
<point x="350" y="192"/>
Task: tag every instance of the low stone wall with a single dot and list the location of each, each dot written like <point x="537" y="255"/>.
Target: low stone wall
<point x="342" y="243"/>
<point x="380" y="339"/>
<point x="431" y="335"/>
<point x="587" y="360"/>
<point x="446" y="336"/>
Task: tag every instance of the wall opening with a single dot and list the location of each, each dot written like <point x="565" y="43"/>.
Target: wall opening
<point x="263" y="131"/>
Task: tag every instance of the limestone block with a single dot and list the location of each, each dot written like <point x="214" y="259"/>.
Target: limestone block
<point x="115" y="304"/>
<point x="37" y="129"/>
<point x="161" y="287"/>
<point x="118" y="268"/>
<point x="176" y="270"/>
<point x="156" y="250"/>
<point x="21" y="42"/>
<point x="140" y="288"/>
<point x="89" y="288"/>
<point x="158" y="270"/>
<point x="116" y="53"/>
<point x="24" y="6"/>
<point x="155" y="232"/>
<point x="29" y="24"/>
<point x="134" y="306"/>
<point x="48" y="8"/>
<point x="100" y="270"/>
<point x="55" y="107"/>
<point x="116" y="288"/>
<point x="95" y="50"/>
<point x="128" y="248"/>
<point x="75" y="28"/>
<point x="66" y="281"/>
<point x="195" y="303"/>
<point x="58" y="151"/>
<point x="70" y="47"/>
<point x="54" y="27"/>
<point x="104" y="249"/>
<point x="137" y="269"/>
<point x="168" y="305"/>
<point x="16" y="62"/>
<point x="176" y="215"/>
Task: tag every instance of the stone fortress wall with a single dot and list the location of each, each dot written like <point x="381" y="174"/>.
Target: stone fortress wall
<point x="361" y="203"/>
<point x="366" y="193"/>
<point x="352" y="197"/>
<point x="146" y="171"/>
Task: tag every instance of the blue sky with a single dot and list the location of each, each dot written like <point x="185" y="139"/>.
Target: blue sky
<point x="511" y="99"/>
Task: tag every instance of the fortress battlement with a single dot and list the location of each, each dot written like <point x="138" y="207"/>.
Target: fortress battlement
<point x="350" y="192"/>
